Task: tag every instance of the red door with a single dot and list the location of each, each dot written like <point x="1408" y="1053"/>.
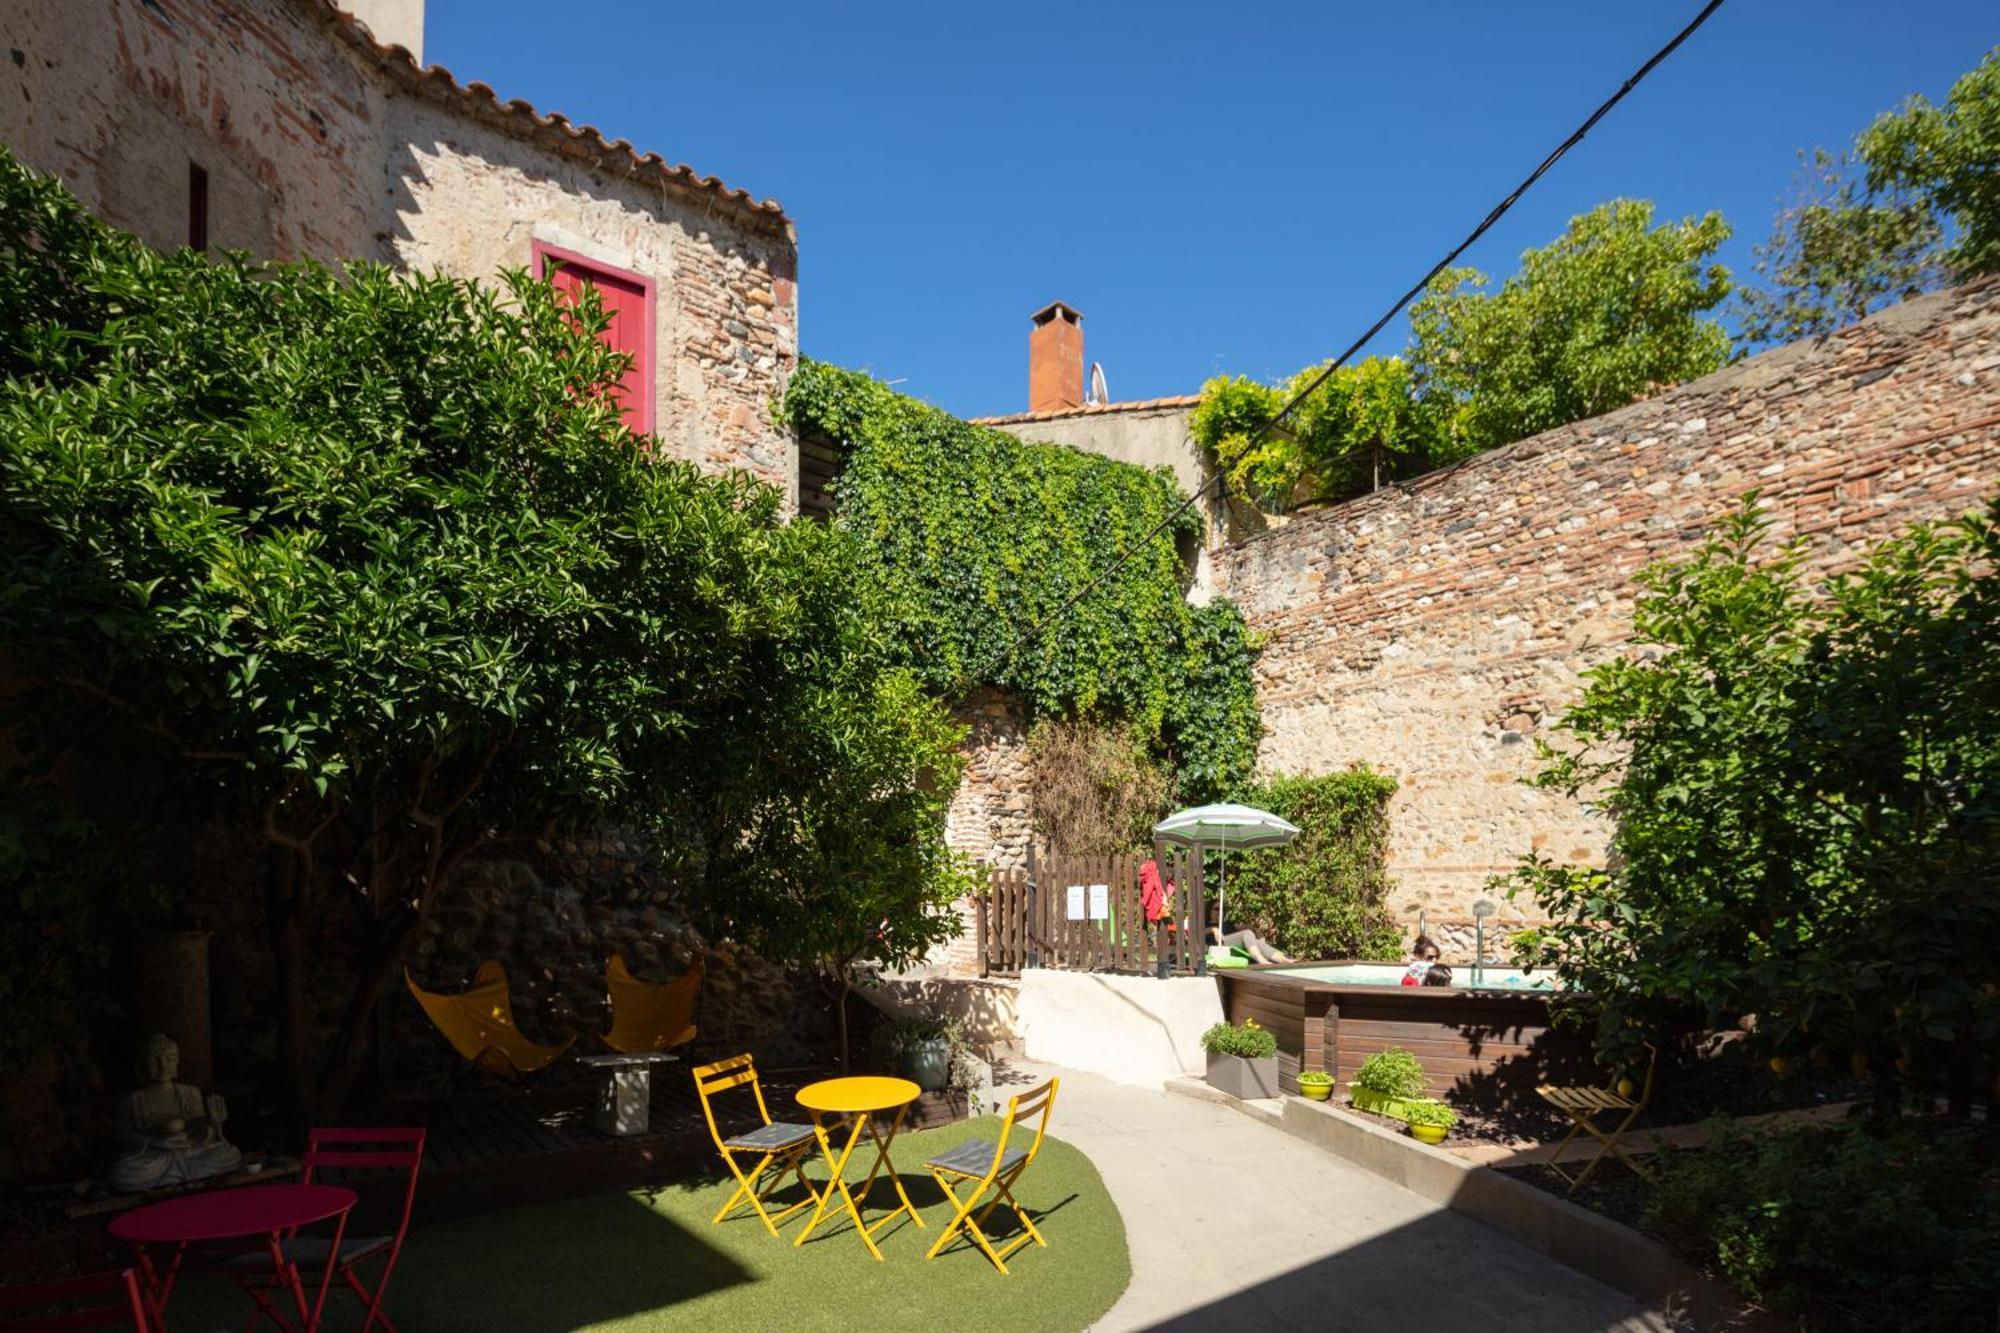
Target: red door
<point x="628" y="299"/>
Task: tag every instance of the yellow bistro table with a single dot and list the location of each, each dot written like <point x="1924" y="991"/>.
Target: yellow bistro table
<point x="863" y="1100"/>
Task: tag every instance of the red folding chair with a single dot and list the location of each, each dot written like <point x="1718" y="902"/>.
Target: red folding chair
<point x="126" y="1310"/>
<point x="343" y="1150"/>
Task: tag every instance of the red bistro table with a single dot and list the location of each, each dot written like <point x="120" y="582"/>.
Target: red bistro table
<point x="270" y="1211"/>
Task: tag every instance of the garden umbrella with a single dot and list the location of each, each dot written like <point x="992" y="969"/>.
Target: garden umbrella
<point x="1224" y="827"/>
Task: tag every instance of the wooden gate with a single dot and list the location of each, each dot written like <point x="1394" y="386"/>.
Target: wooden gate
<point x="1087" y="914"/>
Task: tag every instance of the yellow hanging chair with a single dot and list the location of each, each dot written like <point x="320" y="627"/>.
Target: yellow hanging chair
<point x="645" y="1018"/>
<point x="479" y="1024"/>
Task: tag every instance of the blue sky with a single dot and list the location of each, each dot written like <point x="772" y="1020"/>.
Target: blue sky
<point x="1219" y="188"/>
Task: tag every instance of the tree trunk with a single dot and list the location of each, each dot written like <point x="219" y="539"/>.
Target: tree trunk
<point x="344" y="1056"/>
<point x="1959" y="1077"/>
<point x="840" y="1012"/>
<point x="286" y="925"/>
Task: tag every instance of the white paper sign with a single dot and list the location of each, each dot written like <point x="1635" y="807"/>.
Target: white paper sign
<point x="1075" y="912"/>
<point x="1100" y="901"/>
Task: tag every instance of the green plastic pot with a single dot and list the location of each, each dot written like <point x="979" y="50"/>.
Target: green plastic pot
<point x="1317" y="1092"/>
<point x="1428" y="1133"/>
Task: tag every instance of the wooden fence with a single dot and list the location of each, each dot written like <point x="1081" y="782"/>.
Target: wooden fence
<point x="1086" y="914"/>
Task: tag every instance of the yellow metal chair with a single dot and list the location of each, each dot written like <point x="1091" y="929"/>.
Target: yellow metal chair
<point x="1584" y="1105"/>
<point x="774" y="1142"/>
<point x="645" y="1018"/>
<point x="995" y="1167"/>
<point x="479" y="1023"/>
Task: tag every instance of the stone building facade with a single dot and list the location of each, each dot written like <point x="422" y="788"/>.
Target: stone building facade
<point x="285" y="128"/>
<point x="1434" y="628"/>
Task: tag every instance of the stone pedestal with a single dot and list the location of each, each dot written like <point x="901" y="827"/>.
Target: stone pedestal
<point x="170" y="995"/>
<point x="626" y="1097"/>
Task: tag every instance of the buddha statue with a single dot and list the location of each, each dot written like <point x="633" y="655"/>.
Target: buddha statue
<point x="168" y="1133"/>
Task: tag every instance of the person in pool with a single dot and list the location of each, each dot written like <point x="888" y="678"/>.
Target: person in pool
<point x="1437" y="975"/>
<point x="1423" y="953"/>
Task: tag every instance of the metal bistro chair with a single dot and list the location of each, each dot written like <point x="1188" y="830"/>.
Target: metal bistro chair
<point x="995" y="1167"/>
<point x="1584" y="1105"/>
<point x="344" y="1150"/>
<point x="126" y="1308"/>
<point x="773" y="1142"/>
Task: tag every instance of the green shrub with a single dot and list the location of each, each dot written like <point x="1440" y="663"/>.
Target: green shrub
<point x="1842" y="1227"/>
<point x="1392" y="1073"/>
<point x="1321" y="896"/>
<point x="1247" y="1040"/>
<point x="1430" y="1111"/>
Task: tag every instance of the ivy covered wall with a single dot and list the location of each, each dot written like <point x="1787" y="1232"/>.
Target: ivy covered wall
<point x="971" y="538"/>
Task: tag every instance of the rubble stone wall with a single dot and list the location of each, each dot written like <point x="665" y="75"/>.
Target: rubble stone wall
<point x="1435" y="629"/>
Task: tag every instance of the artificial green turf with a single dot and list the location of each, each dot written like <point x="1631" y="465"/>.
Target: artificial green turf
<point x="651" y="1259"/>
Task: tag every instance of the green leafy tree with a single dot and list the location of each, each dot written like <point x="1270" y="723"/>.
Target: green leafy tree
<point x="1839" y="252"/>
<point x="1946" y="156"/>
<point x="372" y="563"/>
<point x="1365" y="425"/>
<point x="1807" y="799"/>
<point x="1611" y="311"/>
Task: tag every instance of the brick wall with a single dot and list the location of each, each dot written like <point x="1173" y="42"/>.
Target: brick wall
<point x="318" y="144"/>
<point x="1433" y="629"/>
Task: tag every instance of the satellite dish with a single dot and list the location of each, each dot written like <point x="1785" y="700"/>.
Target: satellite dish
<point x="1098" y="392"/>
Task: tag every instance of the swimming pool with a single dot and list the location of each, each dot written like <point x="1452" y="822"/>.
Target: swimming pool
<point x="1391" y="974"/>
<point x="1493" y="1041"/>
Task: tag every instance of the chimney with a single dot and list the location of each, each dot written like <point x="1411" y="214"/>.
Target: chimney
<point x="1055" y="359"/>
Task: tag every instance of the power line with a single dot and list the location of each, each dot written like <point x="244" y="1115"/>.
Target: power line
<point x="1036" y="630"/>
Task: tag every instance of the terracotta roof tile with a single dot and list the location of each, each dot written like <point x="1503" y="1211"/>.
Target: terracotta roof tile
<point x="553" y="129"/>
<point x="1092" y="409"/>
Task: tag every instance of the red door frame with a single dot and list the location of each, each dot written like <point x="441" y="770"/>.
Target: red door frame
<point x="642" y="403"/>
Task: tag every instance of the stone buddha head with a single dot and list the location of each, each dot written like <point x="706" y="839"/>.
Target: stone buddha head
<point x="159" y="1060"/>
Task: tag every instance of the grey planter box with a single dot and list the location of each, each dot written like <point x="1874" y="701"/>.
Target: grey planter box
<point x="1243" y="1078"/>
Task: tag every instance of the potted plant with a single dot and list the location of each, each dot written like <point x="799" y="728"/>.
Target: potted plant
<point x="922" y="1049"/>
<point x="1429" y="1119"/>
<point x="1316" y="1084"/>
<point x="1242" y="1059"/>
<point x="1387" y="1082"/>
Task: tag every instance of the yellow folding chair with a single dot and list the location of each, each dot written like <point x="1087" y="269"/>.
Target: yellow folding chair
<point x="1584" y="1105"/>
<point x="995" y="1167"/>
<point x="773" y="1143"/>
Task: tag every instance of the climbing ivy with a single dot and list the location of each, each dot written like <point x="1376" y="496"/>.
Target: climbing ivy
<point x="973" y="538"/>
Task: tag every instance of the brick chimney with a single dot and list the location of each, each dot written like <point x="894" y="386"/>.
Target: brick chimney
<point x="1055" y="359"/>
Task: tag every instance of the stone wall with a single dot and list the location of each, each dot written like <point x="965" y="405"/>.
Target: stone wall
<point x="992" y="814"/>
<point x="319" y="143"/>
<point x="1433" y="629"/>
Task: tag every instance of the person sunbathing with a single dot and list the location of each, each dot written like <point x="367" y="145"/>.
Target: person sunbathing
<point x="1227" y="934"/>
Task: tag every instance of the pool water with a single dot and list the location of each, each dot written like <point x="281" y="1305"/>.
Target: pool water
<point x="1391" y="974"/>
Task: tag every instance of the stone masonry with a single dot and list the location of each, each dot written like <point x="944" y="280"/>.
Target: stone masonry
<point x="1434" y="629"/>
<point x="316" y="142"/>
<point x="991" y="815"/>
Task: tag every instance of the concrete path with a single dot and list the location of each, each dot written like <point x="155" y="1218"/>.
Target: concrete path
<point x="1236" y="1225"/>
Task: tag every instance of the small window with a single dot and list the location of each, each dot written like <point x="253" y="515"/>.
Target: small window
<point x="197" y="207"/>
<point x="628" y="300"/>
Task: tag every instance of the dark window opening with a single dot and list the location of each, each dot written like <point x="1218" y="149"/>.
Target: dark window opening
<point x="820" y="461"/>
<point x="197" y="206"/>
